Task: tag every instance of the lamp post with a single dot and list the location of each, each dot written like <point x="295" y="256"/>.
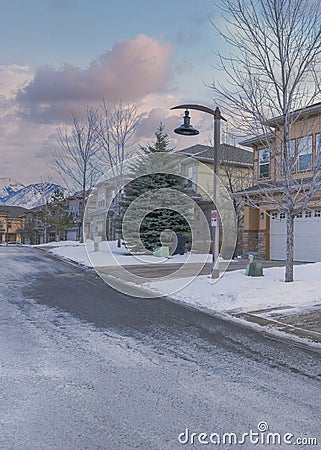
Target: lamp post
<point x="186" y="129"/>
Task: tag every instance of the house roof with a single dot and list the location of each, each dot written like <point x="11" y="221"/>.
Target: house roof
<point x="12" y="211"/>
<point x="307" y="111"/>
<point x="229" y="154"/>
<point x="272" y="186"/>
<point x="298" y="113"/>
<point x="258" y="140"/>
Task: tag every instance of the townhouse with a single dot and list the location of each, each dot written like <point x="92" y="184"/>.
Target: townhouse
<point x="264" y="221"/>
<point x="12" y="223"/>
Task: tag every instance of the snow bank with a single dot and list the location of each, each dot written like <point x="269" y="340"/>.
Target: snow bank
<point x="236" y="291"/>
<point x="110" y="254"/>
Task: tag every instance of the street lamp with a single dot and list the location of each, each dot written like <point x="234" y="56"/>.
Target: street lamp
<point x="186" y="129"/>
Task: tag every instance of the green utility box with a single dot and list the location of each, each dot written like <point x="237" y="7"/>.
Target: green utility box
<point x="255" y="269"/>
<point x="162" y="252"/>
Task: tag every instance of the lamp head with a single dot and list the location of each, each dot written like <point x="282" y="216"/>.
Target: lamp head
<point x="186" y="129"/>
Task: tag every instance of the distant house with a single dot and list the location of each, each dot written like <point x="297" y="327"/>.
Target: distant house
<point x="236" y="173"/>
<point x="38" y="228"/>
<point x="76" y="208"/>
<point x="103" y="211"/>
<point x="12" y="223"/>
<point x="236" y="167"/>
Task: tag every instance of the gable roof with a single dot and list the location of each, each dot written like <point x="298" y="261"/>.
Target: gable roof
<point x="229" y="154"/>
<point x="296" y="115"/>
<point x="275" y="186"/>
<point x="12" y="211"/>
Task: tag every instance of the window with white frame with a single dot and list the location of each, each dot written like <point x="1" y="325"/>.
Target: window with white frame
<point x="308" y="214"/>
<point x="299" y="215"/>
<point x="101" y="199"/>
<point x="1" y="223"/>
<point x="305" y="153"/>
<point x="282" y="215"/>
<point x="264" y="163"/>
<point x="318" y="149"/>
<point x="274" y="215"/>
<point x="317" y="213"/>
<point x="191" y="176"/>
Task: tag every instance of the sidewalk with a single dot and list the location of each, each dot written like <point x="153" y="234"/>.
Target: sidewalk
<point x="298" y="325"/>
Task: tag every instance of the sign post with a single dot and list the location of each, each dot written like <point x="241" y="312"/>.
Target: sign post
<point x="214" y="218"/>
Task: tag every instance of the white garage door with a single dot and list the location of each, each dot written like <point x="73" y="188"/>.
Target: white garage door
<point x="71" y="235"/>
<point x="307" y="236"/>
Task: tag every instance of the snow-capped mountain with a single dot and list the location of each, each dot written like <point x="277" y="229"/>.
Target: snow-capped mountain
<point x="9" y="186"/>
<point x="14" y="193"/>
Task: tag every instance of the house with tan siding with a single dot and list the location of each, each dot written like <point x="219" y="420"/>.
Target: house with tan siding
<point x="12" y="223"/>
<point x="264" y="222"/>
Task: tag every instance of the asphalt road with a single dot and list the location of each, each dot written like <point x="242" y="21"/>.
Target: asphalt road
<point x="85" y="367"/>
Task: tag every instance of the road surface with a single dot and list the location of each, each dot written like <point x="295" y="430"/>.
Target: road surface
<point x="85" y="367"/>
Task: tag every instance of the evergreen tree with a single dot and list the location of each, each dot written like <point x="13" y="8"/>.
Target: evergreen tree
<point x="57" y="214"/>
<point x="149" y="175"/>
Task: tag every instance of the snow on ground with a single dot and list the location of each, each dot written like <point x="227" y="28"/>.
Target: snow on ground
<point x="69" y="249"/>
<point x="236" y="291"/>
<point x="233" y="291"/>
<point x="111" y="255"/>
<point x="60" y="244"/>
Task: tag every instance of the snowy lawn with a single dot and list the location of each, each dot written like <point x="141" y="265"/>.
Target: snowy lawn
<point x="235" y="291"/>
<point x="69" y="249"/>
<point x="111" y="255"/>
<point x="232" y="292"/>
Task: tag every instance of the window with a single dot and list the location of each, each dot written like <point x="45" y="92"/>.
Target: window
<point x="299" y="216"/>
<point x="305" y="153"/>
<point x="318" y="149"/>
<point x="191" y="176"/>
<point x="101" y="199"/>
<point x="9" y="224"/>
<point x="317" y="213"/>
<point x="308" y="214"/>
<point x="1" y="223"/>
<point x="274" y="215"/>
<point x="264" y="163"/>
<point x="282" y="215"/>
<point x="291" y="156"/>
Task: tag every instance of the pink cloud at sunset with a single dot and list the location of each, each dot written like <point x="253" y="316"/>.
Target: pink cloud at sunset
<point x="129" y="71"/>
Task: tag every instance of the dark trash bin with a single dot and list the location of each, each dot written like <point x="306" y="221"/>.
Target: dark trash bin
<point x="180" y="247"/>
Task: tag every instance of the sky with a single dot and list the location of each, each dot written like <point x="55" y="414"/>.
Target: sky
<point x="57" y="56"/>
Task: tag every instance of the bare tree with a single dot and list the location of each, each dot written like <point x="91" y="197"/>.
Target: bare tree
<point x="118" y="124"/>
<point x="272" y="70"/>
<point x="76" y="159"/>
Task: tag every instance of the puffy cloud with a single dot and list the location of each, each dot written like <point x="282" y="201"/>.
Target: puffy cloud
<point x="12" y="76"/>
<point x="129" y="71"/>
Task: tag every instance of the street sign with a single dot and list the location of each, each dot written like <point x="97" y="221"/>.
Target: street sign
<point x="214" y="218"/>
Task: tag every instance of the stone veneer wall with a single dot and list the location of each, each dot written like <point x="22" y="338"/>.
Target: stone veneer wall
<point x="250" y="241"/>
<point x="261" y="244"/>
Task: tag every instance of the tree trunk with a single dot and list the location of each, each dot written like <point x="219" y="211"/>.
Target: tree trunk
<point x="289" y="248"/>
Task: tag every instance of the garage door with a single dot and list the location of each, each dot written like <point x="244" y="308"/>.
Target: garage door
<point x="71" y="235"/>
<point x="307" y="236"/>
